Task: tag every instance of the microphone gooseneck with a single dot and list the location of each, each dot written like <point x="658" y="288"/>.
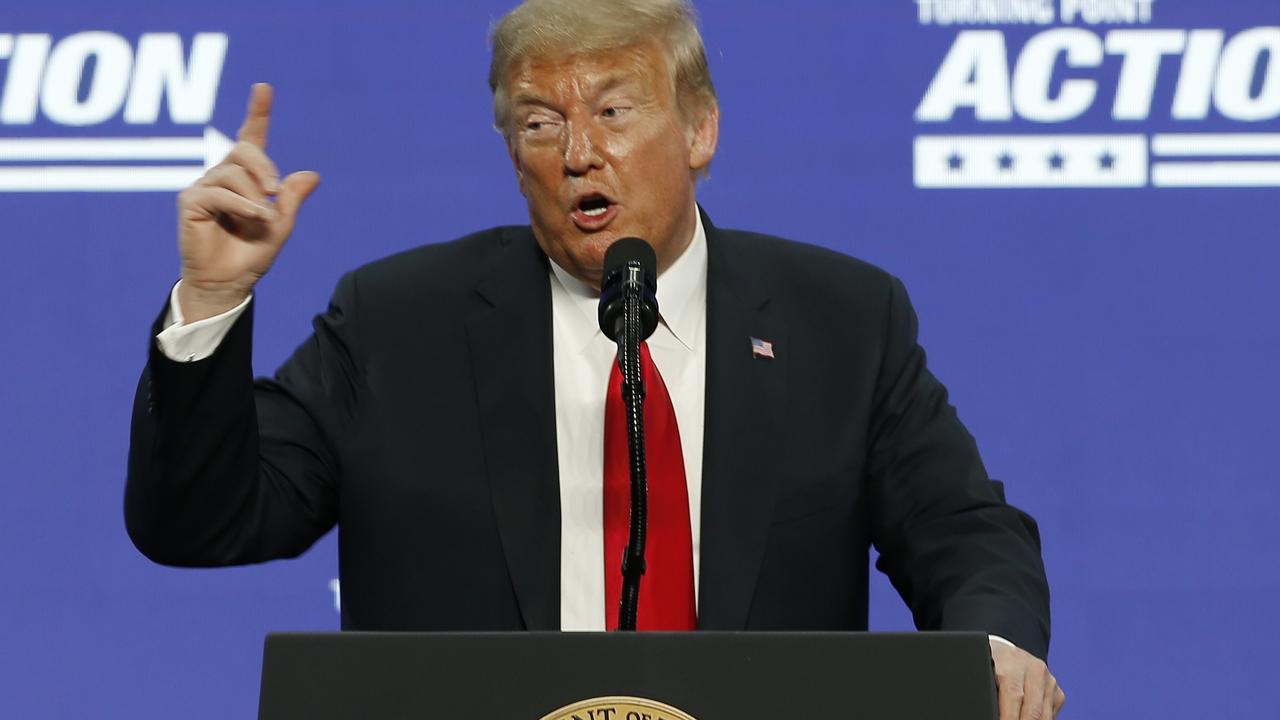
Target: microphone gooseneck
<point x="628" y="314"/>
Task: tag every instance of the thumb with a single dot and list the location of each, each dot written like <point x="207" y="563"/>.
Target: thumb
<point x="293" y="191"/>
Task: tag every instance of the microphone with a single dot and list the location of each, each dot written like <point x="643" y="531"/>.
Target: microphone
<point x="628" y="314"/>
<point x="629" y="264"/>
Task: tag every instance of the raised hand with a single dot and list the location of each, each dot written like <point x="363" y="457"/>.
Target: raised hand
<point x="229" y="228"/>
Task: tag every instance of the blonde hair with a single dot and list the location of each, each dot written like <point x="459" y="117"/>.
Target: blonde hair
<point x="540" y="28"/>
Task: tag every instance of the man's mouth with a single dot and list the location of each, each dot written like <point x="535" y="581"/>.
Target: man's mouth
<point x="593" y="212"/>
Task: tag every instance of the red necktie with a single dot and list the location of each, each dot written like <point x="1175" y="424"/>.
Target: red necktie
<point x="666" y="589"/>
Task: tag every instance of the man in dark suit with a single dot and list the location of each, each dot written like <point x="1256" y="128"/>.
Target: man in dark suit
<point x="809" y="425"/>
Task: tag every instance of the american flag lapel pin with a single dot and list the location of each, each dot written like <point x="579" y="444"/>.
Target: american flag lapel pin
<point x="761" y="348"/>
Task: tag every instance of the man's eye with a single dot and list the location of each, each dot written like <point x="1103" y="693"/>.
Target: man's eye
<point x="538" y="126"/>
<point x="614" y="111"/>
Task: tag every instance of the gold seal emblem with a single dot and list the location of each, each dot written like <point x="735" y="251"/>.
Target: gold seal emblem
<point x="618" y="708"/>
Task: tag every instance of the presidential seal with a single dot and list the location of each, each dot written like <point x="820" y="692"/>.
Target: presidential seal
<point x="618" y="708"/>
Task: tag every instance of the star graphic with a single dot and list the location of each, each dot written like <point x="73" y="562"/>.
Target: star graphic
<point x="1006" y="160"/>
<point x="955" y="162"/>
<point x="1107" y="161"/>
<point x="1057" y="161"/>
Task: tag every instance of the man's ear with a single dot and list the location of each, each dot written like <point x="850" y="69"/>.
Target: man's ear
<point x="515" y="163"/>
<point x="703" y="139"/>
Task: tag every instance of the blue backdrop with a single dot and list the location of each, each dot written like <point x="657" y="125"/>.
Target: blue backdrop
<point x="1081" y="197"/>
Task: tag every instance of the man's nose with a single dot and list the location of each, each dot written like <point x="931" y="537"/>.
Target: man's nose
<point x="581" y="153"/>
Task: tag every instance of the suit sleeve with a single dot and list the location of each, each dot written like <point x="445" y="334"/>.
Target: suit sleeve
<point x="224" y="470"/>
<point x="960" y="556"/>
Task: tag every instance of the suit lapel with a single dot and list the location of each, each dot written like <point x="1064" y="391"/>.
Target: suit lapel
<point x="744" y="441"/>
<point x="511" y="352"/>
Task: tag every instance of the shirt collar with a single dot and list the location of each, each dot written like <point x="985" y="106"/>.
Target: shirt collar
<point x="682" y="291"/>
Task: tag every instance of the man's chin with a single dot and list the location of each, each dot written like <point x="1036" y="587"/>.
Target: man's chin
<point x="586" y="264"/>
<point x="581" y="254"/>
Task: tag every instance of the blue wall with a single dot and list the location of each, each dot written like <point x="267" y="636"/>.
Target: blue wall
<point x="1114" y="349"/>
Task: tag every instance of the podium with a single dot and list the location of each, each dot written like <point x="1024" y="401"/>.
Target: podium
<point x="627" y="676"/>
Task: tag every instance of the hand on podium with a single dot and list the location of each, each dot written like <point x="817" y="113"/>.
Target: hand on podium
<point x="1025" y="688"/>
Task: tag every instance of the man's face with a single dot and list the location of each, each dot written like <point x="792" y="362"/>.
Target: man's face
<point x="602" y="153"/>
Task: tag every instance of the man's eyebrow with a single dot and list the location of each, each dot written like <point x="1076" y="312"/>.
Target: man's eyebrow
<point x="527" y="98"/>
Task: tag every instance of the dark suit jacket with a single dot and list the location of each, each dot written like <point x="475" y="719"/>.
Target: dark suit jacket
<point x="419" y="417"/>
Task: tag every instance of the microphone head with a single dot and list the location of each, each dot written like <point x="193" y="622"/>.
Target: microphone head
<point x="629" y="261"/>
<point x="624" y="251"/>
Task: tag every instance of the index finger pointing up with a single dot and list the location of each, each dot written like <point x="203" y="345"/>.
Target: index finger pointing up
<point x="258" y="117"/>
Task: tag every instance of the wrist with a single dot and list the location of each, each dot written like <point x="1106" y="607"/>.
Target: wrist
<point x="199" y="302"/>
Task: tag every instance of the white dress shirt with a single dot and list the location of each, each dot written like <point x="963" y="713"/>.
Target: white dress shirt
<point x="584" y="358"/>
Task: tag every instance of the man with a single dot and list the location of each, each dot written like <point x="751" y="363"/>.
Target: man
<point x="469" y="479"/>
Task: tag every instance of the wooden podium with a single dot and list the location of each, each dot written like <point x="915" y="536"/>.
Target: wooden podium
<point x="627" y="676"/>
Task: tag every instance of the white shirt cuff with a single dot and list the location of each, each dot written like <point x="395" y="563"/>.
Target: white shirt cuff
<point x="1002" y="641"/>
<point x="181" y="342"/>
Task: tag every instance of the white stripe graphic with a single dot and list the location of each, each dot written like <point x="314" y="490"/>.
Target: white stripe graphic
<point x="1235" y="145"/>
<point x="208" y="149"/>
<point x="71" y="178"/>
<point x="1216" y="174"/>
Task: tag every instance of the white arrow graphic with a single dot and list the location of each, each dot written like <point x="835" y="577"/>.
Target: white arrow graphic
<point x="208" y="149"/>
